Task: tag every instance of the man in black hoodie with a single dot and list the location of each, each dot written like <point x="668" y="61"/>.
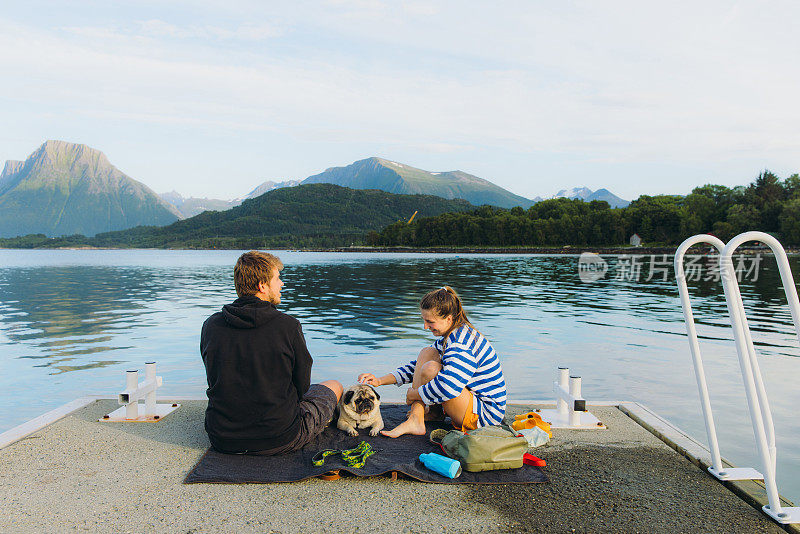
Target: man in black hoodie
<point x="260" y="399"/>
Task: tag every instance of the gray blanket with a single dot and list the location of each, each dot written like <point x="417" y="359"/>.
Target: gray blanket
<point x="399" y="454"/>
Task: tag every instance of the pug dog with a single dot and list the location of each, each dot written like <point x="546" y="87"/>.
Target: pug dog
<point x="359" y="407"/>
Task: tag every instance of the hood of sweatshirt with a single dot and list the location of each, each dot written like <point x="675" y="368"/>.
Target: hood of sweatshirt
<point x="249" y="312"/>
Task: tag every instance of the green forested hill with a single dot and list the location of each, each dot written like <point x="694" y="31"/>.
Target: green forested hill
<point x="315" y="215"/>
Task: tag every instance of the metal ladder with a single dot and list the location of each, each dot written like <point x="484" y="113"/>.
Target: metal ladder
<point x="757" y="401"/>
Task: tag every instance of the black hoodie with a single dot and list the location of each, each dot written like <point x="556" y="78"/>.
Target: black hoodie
<point x="258" y="368"/>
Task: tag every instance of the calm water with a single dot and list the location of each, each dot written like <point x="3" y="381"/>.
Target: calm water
<point x="71" y="323"/>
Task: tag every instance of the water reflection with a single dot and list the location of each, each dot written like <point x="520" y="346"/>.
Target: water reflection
<point x="62" y="313"/>
<point x="366" y="303"/>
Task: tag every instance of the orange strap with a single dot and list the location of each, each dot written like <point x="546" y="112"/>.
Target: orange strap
<point x="531" y="420"/>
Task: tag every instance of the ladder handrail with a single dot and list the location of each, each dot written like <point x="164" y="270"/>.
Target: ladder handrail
<point x="688" y="315"/>
<point x="757" y="400"/>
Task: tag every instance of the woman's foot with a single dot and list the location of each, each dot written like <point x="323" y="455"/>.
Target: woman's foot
<point x="412" y="425"/>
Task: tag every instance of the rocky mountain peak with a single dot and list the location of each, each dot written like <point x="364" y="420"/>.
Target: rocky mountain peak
<point x="11" y="168"/>
<point x="576" y="192"/>
<point x="173" y="197"/>
<point x="399" y="178"/>
<point x="73" y="156"/>
<point x="587" y="195"/>
<point x="64" y="188"/>
<point x="269" y="185"/>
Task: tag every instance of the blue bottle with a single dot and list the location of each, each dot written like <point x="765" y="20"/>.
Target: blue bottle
<point x="441" y="464"/>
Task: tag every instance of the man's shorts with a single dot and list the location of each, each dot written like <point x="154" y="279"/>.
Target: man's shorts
<point x="316" y="413"/>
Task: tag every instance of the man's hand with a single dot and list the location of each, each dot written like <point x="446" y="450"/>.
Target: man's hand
<point x="369" y="378"/>
<point x="412" y="396"/>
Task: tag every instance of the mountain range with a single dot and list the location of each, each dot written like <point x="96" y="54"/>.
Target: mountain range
<point x="393" y="177"/>
<point x="381" y="174"/>
<point x="269" y="185"/>
<point x="65" y="188"/>
<point x="191" y="206"/>
<point x="587" y="195"/>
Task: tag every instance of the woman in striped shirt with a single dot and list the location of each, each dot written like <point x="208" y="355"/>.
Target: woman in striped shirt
<point x="460" y="371"/>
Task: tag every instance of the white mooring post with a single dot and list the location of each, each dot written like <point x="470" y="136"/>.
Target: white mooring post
<point x="570" y="409"/>
<point x="131" y="383"/>
<point x="135" y="390"/>
<point x="757" y="401"/>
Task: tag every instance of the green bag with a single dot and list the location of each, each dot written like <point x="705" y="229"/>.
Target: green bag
<point x="484" y="449"/>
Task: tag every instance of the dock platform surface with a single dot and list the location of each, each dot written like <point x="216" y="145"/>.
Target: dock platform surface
<point x="78" y="474"/>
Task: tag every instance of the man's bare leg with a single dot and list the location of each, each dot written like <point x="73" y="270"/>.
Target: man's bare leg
<point x="428" y="366"/>
<point x="334" y="386"/>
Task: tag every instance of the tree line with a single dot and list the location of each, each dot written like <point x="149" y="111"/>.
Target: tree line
<point x="328" y="216"/>
<point x="768" y="204"/>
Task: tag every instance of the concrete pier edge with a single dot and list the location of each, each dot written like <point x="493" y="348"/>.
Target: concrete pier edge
<point x="750" y="491"/>
<point x="37" y="423"/>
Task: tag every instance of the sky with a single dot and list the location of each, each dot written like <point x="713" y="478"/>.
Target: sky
<point x="211" y="98"/>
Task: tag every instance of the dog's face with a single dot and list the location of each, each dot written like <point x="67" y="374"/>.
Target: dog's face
<point x="359" y="407"/>
<point x="361" y="399"/>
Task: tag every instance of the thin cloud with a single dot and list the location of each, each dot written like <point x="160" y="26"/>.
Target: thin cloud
<point x="156" y="29"/>
<point x="617" y="86"/>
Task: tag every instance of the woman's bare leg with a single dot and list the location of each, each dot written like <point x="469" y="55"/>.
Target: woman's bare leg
<point x="457" y="408"/>
<point x="428" y="366"/>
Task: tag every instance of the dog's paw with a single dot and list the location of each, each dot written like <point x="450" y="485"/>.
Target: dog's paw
<point x="374" y="431"/>
<point x="352" y="432"/>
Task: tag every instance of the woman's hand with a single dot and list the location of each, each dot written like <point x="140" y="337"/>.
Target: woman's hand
<point x="369" y="378"/>
<point x="412" y="396"/>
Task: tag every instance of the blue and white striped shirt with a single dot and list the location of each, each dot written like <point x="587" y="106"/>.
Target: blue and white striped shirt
<point x="468" y="361"/>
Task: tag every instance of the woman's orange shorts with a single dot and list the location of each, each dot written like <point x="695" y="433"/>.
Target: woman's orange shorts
<point x="470" y="419"/>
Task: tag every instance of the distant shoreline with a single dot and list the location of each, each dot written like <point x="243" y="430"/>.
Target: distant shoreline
<point x="534" y="250"/>
<point x="569" y="250"/>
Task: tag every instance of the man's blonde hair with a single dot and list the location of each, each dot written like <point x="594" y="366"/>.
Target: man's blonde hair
<point x="253" y="268"/>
